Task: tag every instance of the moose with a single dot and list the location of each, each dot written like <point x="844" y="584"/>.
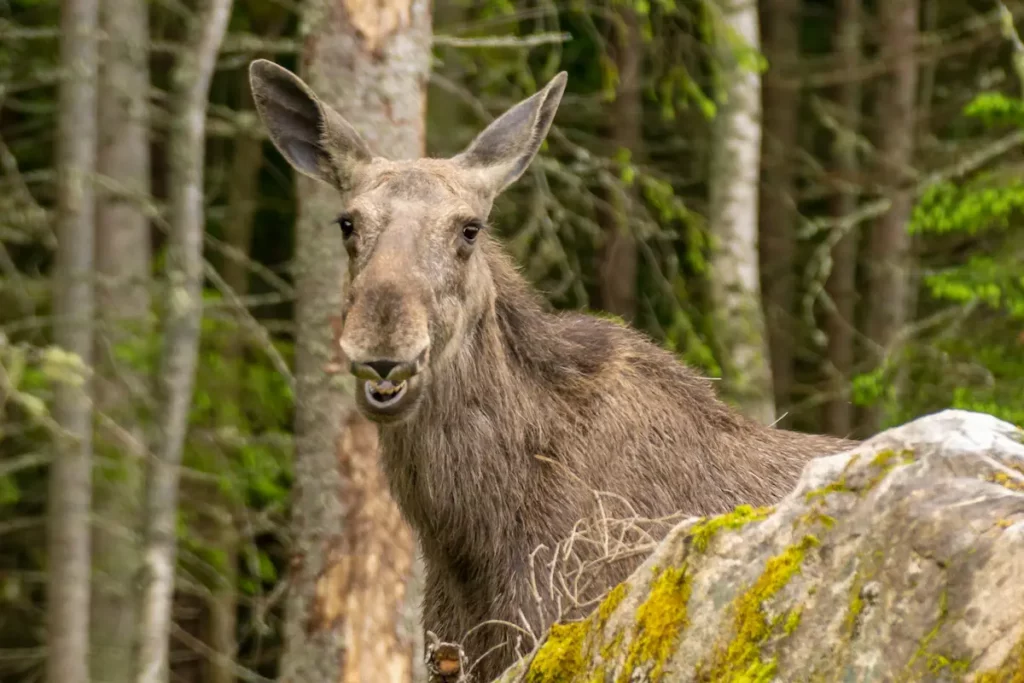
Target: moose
<point x="498" y="416"/>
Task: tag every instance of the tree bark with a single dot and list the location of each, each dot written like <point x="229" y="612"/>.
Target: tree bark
<point x="243" y="200"/>
<point x="617" y="264"/>
<point x="190" y="89"/>
<point x="69" y="498"/>
<point x="841" y="287"/>
<point x="123" y="257"/>
<point x="778" y="234"/>
<point x="354" y="553"/>
<point x="735" y="287"/>
<point x="888" y="263"/>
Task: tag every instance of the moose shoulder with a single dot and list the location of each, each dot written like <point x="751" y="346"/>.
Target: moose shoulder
<point x="499" y="418"/>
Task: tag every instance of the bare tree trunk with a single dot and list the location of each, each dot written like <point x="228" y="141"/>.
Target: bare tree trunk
<point x="840" y="321"/>
<point x="223" y="603"/>
<point x="778" y="233"/>
<point x="190" y="89"/>
<point x="123" y="257"/>
<point x="353" y="551"/>
<point x="889" y="242"/>
<point x="69" y="498"/>
<point x="243" y="198"/>
<point x="617" y="265"/>
<point x="735" y="285"/>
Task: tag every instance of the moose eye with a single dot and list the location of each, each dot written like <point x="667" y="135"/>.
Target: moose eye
<point x="344" y="222"/>
<point x="470" y="230"/>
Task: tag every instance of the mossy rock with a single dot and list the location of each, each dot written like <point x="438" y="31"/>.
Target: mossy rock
<point x="898" y="561"/>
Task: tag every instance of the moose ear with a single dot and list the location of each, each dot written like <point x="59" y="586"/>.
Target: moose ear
<point x="502" y="152"/>
<point x="315" y="139"/>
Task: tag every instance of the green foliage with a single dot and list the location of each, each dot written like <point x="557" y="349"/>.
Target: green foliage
<point x="973" y="358"/>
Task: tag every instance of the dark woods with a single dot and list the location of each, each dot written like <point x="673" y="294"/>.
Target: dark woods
<point x="826" y="225"/>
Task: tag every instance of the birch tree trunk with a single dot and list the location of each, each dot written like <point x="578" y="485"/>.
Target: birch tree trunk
<point x="189" y="91"/>
<point x="346" y="611"/>
<point x="778" y="233"/>
<point x="123" y="257"/>
<point x="735" y="286"/>
<point x="617" y="265"/>
<point x="841" y="287"/>
<point x="69" y="498"/>
<point x="888" y="254"/>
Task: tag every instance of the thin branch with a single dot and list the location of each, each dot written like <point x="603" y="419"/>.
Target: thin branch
<point x="191" y="83"/>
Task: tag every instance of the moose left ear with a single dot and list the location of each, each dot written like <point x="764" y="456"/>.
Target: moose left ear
<point x="503" y="151"/>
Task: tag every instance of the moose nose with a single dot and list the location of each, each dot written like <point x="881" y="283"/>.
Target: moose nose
<point x="380" y="368"/>
<point x="394" y="371"/>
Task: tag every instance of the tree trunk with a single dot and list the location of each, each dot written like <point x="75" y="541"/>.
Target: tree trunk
<point x="243" y="199"/>
<point x="353" y="551"/>
<point x="123" y="257"/>
<point x="189" y="92"/>
<point x="69" y="498"/>
<point x="735" y="286"/>
<point x="889" y="242"/>
<point x="778" y="234"/>
<point x="841" y="287"/>
<point x="617" y="265"/>
<point x="222" y="618"/>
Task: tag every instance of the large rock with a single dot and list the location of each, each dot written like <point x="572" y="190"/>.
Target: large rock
<point x="902" y="560"/>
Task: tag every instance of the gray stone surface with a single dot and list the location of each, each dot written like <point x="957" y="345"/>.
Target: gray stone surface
<point x="901" y="560"/>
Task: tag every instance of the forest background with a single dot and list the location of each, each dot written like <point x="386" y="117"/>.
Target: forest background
<point x="817" y="202"/>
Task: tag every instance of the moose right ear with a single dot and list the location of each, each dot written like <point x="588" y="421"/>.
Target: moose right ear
<point x="315" y="139"/>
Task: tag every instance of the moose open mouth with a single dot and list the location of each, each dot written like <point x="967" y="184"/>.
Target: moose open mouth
<point x="384" y="394"/>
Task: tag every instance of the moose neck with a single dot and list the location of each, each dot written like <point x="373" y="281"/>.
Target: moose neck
<point x="488" y="410"/>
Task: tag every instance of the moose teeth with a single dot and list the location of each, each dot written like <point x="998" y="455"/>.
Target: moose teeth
<point x="386" y="388"/>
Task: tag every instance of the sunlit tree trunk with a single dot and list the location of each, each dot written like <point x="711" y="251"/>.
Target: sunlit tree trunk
<point x="123" y="265"/>
<point x="840" y="320"/>
<point x="189" y="91"/>
<point x="735" y="286"/>
<point x="354" y="554"/>
<point x="778" y="208"/>
<point x="617" y="265"/>
<point x="68" y="532"/>
<point x="888" y="253"/>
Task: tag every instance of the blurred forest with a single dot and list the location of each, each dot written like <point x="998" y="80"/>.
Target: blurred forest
<point x="817" y="201"/>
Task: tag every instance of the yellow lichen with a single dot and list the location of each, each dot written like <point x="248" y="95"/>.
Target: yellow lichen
<point x="611" y="602"/>
<point x="1011" y="670"/>
<point x="816" y="516"/>
<point x="939" y="663"/>
<point x="835" y="487"/>
<point x="660" y="620"/>
<point x="793" y="621"/>
<point x="1006" y="481"/>
<point x="855" y="608"/>
<point x="741" y="659"/>
<point x="609" y="649"/>
<point x="705" y="531"/>
<point x="886" y="461"/>
<point x="935" y="662"/>
<point x="560" y="658"/>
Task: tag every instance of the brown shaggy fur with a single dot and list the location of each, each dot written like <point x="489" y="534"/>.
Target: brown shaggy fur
<point x="520" y="413"/>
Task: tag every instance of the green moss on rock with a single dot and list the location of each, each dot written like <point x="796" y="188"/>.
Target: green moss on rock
<point x="611" y="602"/>
<point x="704" y="532"/>
<point x="660" y="621"/>
<point x="741" y="660"/>
<point x="793" y="621"/>
<point x="885" y="461"/>
<point x="560" y="658"/>
<point x="1011" y="671"/>
<point x="835" y="487"/>
<point x="1006" y="481"/>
